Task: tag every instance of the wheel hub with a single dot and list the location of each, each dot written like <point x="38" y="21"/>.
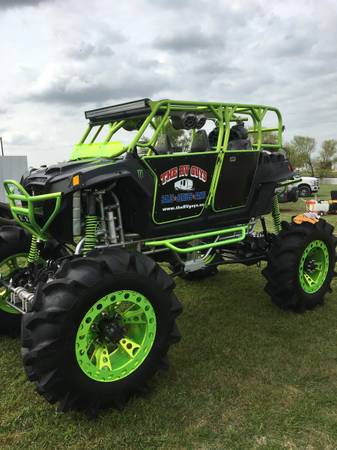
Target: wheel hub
<point x="110" y="330"/>
<point x="310" y="266"/>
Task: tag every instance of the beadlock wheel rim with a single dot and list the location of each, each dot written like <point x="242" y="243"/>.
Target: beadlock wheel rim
<point x="105" y="360"/>
<point x="314" y="266"/>
<point x="8" y="267"/>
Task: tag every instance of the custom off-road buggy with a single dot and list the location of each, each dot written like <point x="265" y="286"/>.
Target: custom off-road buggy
<point x="87" y="266"/>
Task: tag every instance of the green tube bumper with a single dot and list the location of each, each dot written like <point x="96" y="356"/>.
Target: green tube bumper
<point x="25" y="208"/>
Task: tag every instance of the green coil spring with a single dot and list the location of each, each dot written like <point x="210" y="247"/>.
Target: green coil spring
<point x="276" y="214"/>
<point x="34" y="252"/>
<point x="90" y="240"/>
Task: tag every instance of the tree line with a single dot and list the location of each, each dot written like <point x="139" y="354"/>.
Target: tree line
<point x="301" y="152"/>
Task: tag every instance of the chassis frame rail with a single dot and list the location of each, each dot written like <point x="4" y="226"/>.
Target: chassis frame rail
<point x="236" y="234"/>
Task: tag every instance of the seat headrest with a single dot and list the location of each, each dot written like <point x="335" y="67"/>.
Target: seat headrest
<point x="238" y="131"/>
<point x="213" y="137"/>
<point x="200" y="142"/>
<point x="163" y="144"/>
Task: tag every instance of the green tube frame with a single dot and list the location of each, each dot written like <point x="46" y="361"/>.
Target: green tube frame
<point x="169" y="243"/>
<point x="25" y="215"/>
<point x="225" y="113"/>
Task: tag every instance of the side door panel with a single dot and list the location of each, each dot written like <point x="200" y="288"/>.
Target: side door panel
<point x="182" y="184"/>
<point x="235" y="180"/>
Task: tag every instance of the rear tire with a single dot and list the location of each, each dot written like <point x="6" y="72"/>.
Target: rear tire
<point x="301" y="264"/>
<point x="293" y="195"/>
<point x="56" y="341"/>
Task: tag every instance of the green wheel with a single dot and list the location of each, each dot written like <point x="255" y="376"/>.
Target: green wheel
<point x="314" y="266"/>
<point x="100" y="331"/>
<point x="301" y="264"/>
<point x="115" y="335"/>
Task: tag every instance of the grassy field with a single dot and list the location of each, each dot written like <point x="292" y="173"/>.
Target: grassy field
<point x="245" y="376"/>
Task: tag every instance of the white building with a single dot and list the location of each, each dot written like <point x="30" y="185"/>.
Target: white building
<point x="11" y="168"/>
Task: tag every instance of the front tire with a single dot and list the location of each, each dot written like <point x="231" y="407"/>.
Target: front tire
<point x="301" y="264"/>
<point x="99" y="332"/>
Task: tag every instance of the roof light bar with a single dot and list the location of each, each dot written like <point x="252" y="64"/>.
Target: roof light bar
<point x="121" y="111"/>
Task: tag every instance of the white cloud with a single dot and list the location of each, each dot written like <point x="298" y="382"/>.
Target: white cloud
<point x="60" y="60"/>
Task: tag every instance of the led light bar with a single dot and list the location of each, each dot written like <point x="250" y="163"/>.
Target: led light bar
<point x="121" y="111"/>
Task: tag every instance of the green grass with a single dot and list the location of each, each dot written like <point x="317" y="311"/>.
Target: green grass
<point x="245" y="376"/>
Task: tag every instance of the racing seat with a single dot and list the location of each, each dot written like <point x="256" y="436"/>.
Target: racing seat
<point x="213" y="137"/>
<point x="200" y="142"/>
<point x="163" y="145"/>
<point x="238" y="138"/>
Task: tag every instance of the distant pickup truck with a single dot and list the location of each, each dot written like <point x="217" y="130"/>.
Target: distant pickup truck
<point x="307" y="186"/>
<point x="304" y="188"/>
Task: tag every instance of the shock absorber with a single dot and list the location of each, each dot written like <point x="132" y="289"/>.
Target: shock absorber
<point x="34" y="252"/>
<point x="90" y="239"/>
<point x="276" y="214"/>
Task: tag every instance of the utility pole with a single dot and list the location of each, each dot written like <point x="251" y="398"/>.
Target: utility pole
<point x="2" y="146"/>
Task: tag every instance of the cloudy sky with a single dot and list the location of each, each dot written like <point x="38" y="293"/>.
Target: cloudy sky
<point x="61" y="57"/>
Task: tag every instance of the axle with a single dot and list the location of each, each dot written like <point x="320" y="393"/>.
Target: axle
<point x="20" y="298"/>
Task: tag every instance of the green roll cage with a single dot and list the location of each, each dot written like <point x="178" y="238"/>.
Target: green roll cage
<point x="25" y="207"/>
<point x="223" y="113"/>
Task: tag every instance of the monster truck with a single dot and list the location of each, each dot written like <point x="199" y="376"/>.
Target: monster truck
<point x="87" y="270"/>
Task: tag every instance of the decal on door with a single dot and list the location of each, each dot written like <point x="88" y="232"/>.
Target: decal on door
<point x="184" y="195"/>
<point x="182" y="189"/>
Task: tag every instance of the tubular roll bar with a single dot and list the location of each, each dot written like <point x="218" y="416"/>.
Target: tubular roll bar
<point x="225" y="113"/>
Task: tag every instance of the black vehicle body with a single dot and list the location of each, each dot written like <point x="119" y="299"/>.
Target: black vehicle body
<point x="5" y="214"/>
<point x="247" y="184"/>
